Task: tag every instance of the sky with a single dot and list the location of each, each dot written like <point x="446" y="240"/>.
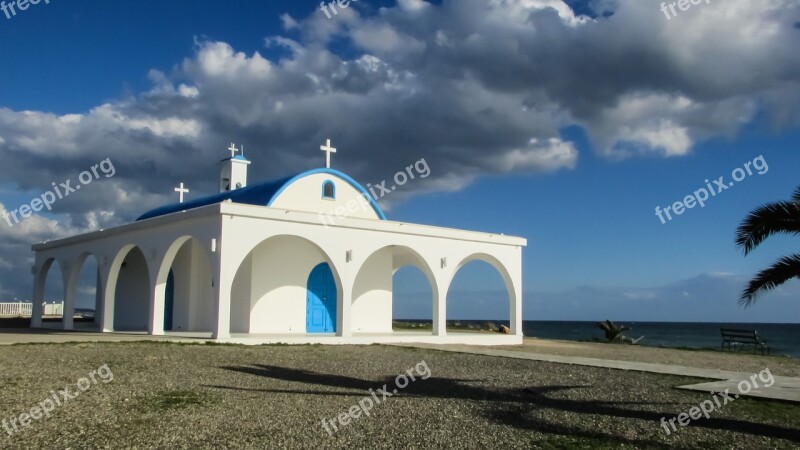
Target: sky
<point x="566" y="123"/>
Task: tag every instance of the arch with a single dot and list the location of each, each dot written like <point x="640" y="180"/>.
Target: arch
<point x="373" y="293"/>
<point x="110" y="289"/>
<point x="130" y="309"/>
<point x="51" y="298"/>
<point x="413" y="299"/>
<point x="500" y="269"/>
<point x="268" y="293"/>
<point x="188" y="265"/>
<point x="78" y="278"/>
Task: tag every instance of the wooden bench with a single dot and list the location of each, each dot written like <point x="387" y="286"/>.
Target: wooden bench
<point x="732" y="336"/>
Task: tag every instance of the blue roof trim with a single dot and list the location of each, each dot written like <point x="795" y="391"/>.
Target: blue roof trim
<point x="261" y="194"/>
<point x="236" y="158"/>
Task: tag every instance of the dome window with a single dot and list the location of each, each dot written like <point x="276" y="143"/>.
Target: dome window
<point x="328" y="190"/>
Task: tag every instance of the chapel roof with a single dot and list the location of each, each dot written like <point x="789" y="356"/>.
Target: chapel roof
<point x="261" y="194"/>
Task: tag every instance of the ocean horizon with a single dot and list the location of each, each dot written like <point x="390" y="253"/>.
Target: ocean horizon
<point x="782" y="338"/>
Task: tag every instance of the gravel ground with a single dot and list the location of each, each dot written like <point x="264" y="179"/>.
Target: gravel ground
<point x="703" y="359"/>
<point x="213" y="396"/>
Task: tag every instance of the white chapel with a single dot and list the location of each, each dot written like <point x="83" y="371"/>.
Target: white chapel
<point x="263" y="263"/>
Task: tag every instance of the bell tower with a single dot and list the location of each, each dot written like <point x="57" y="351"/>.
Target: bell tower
<point x="233" y="170"/>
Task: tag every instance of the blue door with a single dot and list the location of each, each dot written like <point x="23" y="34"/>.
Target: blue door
<point x="169" y="301"/>
<point x="321" y="301"/>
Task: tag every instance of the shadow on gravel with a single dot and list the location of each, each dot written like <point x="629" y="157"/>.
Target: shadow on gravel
<point x="23" y="324"/>
<point x="528" y="400"/>
<point x="520" y="417"/>
<point x="539" y="400"/>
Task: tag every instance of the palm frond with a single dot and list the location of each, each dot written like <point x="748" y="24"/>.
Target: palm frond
<point x="612" y="331"/>
<point x="796" y="196"/>
<point x="772" y="218"/>
<point x="782" y="271"/>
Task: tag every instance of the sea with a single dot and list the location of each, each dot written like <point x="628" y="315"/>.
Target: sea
<point x="783" y="339"/>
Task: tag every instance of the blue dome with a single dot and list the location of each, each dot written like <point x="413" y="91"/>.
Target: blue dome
<point x="261" y="194"/>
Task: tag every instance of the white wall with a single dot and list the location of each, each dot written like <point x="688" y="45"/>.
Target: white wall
<point x="202" y="310"/>
<point x="305" y="194"/>
<point x="241" y="301"/>
<point x="193" y="307"/>
<point x="372" y="294"/>
<point x="181" y="270"/>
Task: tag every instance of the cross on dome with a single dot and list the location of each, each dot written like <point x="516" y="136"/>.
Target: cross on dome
<point x="180" y="190"/>
<point x="328" y="150"/>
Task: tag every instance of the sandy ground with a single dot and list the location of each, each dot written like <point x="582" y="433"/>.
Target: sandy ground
<point x="704" y="359"/>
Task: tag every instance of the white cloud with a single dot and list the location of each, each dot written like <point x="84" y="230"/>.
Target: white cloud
<point x="549" y="155"/>
<point x="639" y="295"/>
<point x="288" y="22"/>
<point x="475" y="87"/>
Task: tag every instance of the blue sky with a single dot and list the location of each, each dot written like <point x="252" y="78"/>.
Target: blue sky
<point x="639" y="121"/>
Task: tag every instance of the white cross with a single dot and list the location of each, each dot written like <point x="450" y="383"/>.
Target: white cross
<point x="233" y="150"/>
<point x="181" y="191"/>
<point x="328" y="150"/>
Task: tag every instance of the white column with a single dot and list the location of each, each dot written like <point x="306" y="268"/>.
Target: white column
<point x="98" y="299"/>
<point x="38" y="295"/>
<point x="155" y="316"/>
<point x="516" y="315"/>
<point x="222" y="276"/>
<point x="222" y="308"/>
<point x="344" y="310"/>
<point x="440" y="309"/>
<point x="69" y="280"/>
<point x="109" y="294"/>
<point x="155" y="325"/>
<point x="515" y="308"/>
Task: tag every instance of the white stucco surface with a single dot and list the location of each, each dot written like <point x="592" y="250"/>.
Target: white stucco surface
<point x="305" y="194"/>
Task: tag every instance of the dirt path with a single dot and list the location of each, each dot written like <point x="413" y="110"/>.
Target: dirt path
<point x="706" y="359"/>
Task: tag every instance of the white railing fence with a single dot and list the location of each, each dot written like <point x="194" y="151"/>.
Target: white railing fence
<point x="53" y="309"/>
<point x="17" y="309"/>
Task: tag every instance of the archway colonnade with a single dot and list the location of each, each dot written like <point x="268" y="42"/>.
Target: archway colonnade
<point x="230" y="272"/>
